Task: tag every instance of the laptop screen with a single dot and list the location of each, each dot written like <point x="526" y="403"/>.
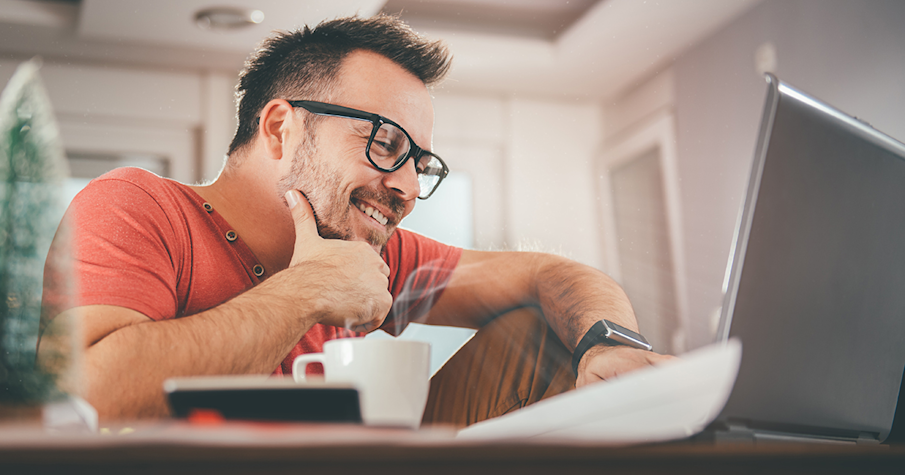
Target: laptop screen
<point x="816" y="283"/>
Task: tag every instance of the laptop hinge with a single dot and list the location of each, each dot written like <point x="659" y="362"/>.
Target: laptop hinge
<point x="741" y="431"/>
<point x="734" y="432"/>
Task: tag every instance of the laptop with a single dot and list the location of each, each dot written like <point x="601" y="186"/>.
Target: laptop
<point x="815" y="286"/>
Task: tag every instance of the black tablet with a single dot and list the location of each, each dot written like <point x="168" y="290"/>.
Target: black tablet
<point x="263" y="399"/>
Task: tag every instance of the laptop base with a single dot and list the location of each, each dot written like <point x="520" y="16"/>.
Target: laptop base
<point x="743" y="433"/>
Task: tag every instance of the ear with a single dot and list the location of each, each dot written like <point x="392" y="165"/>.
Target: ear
<point x="275" y="127"/>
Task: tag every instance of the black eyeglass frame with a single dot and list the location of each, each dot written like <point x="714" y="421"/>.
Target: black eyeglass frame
<point x="325" y="109"/>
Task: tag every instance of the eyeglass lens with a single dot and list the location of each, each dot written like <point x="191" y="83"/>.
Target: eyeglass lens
<point x="391" y="146"/>
<point x="429" y="177"/>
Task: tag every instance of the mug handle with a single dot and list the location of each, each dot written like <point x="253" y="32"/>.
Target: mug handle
<point x="302" y="362"/>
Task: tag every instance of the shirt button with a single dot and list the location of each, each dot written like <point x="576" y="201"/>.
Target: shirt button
<point x="258" y="269"/>
<point x="231" y="235"/>
<point x="208" y="207"/>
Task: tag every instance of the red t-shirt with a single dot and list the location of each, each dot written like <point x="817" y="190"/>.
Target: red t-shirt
<point x="153" y="245"/>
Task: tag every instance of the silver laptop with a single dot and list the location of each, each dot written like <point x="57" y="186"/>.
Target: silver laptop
<point x="816" y="279"/>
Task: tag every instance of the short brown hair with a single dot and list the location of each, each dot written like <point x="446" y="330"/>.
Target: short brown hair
<point x="303" y="64"/>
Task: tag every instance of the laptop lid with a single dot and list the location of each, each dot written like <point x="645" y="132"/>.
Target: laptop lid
<point x="816" y="279"/>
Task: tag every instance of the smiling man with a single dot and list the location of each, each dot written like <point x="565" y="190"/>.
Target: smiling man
<point x="296" y="243"/>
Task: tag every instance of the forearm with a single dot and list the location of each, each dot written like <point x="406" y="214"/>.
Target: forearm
<point x="574" y="296"/>
<point x="250" y="334"/>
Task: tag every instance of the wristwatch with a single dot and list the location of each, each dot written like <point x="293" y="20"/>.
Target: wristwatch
<point x="608" y="333"/>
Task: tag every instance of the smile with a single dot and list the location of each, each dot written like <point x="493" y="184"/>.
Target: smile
<point x="373" y="213"/>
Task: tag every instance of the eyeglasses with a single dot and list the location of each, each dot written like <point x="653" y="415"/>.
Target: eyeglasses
<point x="389" y="145"/>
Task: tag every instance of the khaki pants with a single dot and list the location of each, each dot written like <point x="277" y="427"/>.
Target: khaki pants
<point x="514" y="361"/>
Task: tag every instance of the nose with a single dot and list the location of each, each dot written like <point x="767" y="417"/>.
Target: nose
<point x="404" y="181"/>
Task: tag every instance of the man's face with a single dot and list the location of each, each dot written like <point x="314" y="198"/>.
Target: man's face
<point x="336" y="214"/>
<point x="351" y="199"/>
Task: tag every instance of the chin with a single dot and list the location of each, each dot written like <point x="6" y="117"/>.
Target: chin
<point x="378" y="241"/>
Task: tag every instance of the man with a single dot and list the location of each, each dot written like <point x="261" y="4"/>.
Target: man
<point x="296" y="243"/>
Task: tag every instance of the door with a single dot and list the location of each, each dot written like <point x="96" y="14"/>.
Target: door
<point x="642" y="235"/>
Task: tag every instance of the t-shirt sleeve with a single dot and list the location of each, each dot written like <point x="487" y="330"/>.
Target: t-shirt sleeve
<point x="420" y="268"/>
<point x="124" y="251"/>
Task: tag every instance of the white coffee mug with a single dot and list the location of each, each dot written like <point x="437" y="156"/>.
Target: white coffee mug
<point x="392" y="376"/>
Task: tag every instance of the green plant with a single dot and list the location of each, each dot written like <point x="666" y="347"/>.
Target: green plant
<point x="32" y="170"/>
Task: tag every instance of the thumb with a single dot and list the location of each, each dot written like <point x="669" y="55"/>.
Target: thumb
<point x="302" y="215"/>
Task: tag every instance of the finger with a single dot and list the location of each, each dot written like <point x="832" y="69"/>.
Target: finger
<point x="368" y="326"/>
<point x="587" y="377"/>
<point x="302" y="215"/>
<point x="654" y="358"/>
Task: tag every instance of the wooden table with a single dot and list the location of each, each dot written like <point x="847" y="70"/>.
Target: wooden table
<point x="276" y="449"/>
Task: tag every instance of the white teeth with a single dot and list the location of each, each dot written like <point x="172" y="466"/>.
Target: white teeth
<point x="374" y="214"/>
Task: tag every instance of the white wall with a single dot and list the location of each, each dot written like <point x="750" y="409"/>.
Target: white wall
<point x="550" y="175"/>
<point x="531" y="162"/>
<point x="218" y="120"/>
<point x="184" y="116"/>
<point x="469" y="133"/>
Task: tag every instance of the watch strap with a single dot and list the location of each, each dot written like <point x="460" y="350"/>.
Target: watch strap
<point x="608" y="333"/>
<point x="591" y="338"/>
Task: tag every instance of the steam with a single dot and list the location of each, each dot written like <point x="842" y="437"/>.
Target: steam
<point x="419" y="292"/>
<point x="421" y="289"/>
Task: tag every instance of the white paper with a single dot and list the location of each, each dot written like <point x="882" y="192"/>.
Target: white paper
<point x="672" y="400"/>
<point x="72" y="414"/>
<point x="445" y="341"/>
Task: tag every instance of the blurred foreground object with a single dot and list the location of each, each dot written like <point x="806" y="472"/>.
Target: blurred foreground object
<point x="32" y="172"/>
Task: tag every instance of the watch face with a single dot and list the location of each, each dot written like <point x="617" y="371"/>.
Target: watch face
<point x="624" y="336"/>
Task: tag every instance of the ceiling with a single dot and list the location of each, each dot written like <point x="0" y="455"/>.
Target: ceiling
<point x="544" y="19"/>
<point x="561" y="48"/>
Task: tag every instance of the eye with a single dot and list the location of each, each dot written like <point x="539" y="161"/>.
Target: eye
<point x="385" y="146"/>
<point x="389" y="141"/>
<point x="421" y="164"/>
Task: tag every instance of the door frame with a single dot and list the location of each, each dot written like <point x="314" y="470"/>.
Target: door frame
<point x="656" y="133"/>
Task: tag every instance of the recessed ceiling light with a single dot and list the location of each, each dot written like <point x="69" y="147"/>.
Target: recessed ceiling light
<point x="227" y="18"/>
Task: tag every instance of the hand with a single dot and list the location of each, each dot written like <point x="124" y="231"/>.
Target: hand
<point x="350" y="279"/>
<point x="602" y="362"/>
